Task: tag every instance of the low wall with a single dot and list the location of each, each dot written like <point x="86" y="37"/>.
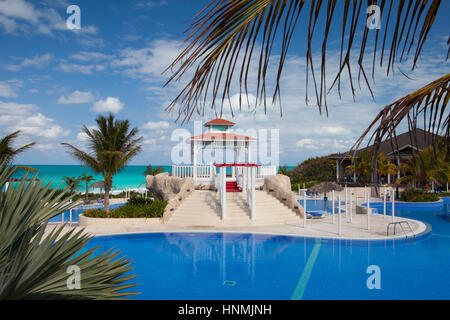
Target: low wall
<point x="85" y="221"/>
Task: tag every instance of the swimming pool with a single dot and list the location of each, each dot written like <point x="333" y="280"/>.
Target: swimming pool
<point x="251" y="266"/>
<point x="66" y="217"/>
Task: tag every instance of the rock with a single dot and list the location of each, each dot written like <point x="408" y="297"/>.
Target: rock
<point x="170" y="189"/>
<point x="280" y="187"/>
<point x="165" y="187"/>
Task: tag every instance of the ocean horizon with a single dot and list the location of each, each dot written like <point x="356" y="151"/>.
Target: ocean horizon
<point x="131" y="176"/>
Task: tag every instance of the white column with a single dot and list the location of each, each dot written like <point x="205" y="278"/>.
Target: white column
<point x="252" y="210"/>
<point x="368" y="210"/>
<point x="389" y="178"/>
<point x="339" y="215"/>
<point x="249" y="153"/>
<point x="333" y="207"/>
<point x="194" y="160"/>
<point x="384" y="203"/>
<point x="346" y="202"/>
<point x="393" y="204"/>
<point x="223" y="186"/>
<point x="351" y="207"/>
<point x="238" y="154"/>
<point x="305" y="215"/>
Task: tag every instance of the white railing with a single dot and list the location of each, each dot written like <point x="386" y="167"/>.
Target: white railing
<point x="208" y="172"/>
<point x="266" y="171"/>
<point x="204" y="171"/>
<point x="182" y="171"/>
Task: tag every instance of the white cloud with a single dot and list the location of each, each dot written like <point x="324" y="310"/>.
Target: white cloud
<point x="22" y="16"/>
<point x="7" y="91"/>
<point x="33" y="124"/>
<point x="148" y="63"/>
<point x="110" y="104"/>
<point x="76" y="97"/>
<point x="86" y="56"/>
<point x="156" y="125"/>
<point x="151" y="4"/>
<point x="36" y="62"/>
<point x="80" y="68"/>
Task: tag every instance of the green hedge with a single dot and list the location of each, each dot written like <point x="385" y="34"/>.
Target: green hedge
<point x="417" y="195"/>
<point x="153" y="210"/>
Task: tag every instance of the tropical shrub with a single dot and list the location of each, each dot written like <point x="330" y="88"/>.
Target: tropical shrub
<point x="35" y="260"/>
<point x="314" y="169"/>
<point x="139" y="201"/>
<point x="417" y="195"/>
<point x="153" y="210"/>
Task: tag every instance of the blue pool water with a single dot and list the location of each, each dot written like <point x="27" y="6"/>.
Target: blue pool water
<point x="66" y="216"/>
<point x="249" y="266"/>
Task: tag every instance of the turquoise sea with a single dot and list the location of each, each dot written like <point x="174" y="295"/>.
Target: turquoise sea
<point x="129" y="177"/>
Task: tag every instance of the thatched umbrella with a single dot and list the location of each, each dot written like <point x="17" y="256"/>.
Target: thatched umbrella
<point x="324" y="187"/>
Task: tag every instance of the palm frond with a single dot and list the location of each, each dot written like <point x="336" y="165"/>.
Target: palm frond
<point x="34" y="262"/>
<point x="228" y="37"/>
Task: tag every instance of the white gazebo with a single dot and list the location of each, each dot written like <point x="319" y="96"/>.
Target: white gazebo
<point x="218" y="135"/>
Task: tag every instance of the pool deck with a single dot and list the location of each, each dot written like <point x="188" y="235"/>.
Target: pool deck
<point x="315" y="228"/>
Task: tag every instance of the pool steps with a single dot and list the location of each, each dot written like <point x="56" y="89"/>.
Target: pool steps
<point x="202" y="208"/>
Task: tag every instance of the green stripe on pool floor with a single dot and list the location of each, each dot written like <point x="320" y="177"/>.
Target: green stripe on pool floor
<point x="440" y="235"/>
<point x="303" y="282"/>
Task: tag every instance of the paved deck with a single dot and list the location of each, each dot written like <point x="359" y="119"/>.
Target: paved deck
<point x="318" y="228"/>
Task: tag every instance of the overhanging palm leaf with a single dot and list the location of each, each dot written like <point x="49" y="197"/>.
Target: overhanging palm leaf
<point x="229" y="36"/>
<point x="430" y="102"/>
<point x="34" y="263"/>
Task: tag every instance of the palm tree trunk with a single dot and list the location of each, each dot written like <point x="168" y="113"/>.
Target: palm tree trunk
<point x="87" y="191"/>
<point x="106" y="200"/>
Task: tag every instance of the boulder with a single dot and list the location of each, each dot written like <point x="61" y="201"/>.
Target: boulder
<point x="170" y="189"/>
<point x="279" y="186"/>
<point x="165" y="187"/>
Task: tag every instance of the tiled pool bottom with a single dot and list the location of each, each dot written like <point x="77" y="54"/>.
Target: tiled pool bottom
<point x="202" y="265"/>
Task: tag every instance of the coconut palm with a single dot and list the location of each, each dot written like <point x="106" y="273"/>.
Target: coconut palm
<point x="8" y="152"/>
<point x="229" y="39"/>
<point x="112" y="145"/>
<point x="150" y="171"/>
<point x="86" y="178"/>
<point x="385" y="167"/>
<point x="430" y="165"/>
<point x="72" y="183"/>
<point x="362" y="165"/>
<point x="35" y="259"/>
<point x="283" y="170"/>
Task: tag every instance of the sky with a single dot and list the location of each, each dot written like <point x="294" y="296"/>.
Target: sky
<point x="54" y="80"/>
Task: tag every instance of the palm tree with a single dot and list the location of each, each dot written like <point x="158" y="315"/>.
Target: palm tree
<point x="150" y="171"/>
<point x="229" y="39"/>
<point x="72" y="183"/>
<point x="8" y="153"/>
<point x="385" y="167"/>
<point x="112" y="146"/>
<point x="84" y="177"/>
<point x="35" y="259"/>
<point x="283" y="170"/>
<point x="430" y="165"/>
<point x="362" y="165"/>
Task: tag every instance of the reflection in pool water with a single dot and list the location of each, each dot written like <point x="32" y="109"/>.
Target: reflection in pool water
<point x="250" y="266"/>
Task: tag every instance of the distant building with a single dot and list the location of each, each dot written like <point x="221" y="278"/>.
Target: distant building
<point x="397" y="149"/>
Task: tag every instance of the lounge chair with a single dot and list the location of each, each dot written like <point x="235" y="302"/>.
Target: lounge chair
<point x="316" y="214"/>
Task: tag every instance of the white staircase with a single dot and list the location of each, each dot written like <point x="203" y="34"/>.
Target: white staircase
<point x="202" y="208"/>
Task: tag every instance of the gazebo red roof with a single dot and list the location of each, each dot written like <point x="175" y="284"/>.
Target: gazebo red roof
<point x="221" y="136"/>
<point x="219" y="122"/>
